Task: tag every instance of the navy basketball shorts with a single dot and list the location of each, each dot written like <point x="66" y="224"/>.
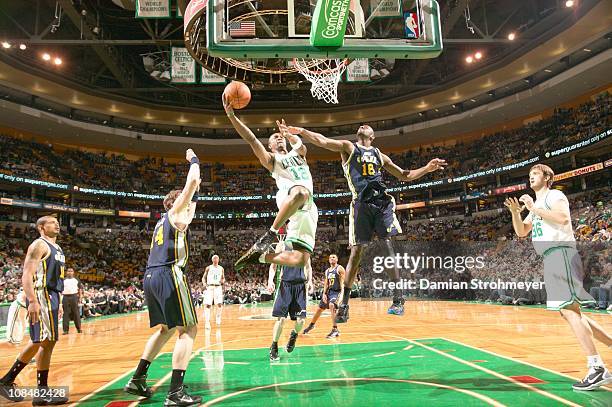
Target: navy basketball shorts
<point x="48" y="319"/>
<point x="169" y="297"/>
<point x="332" y="298"/>
<point x="367" y="218"/>
<point x="290" y="300"/>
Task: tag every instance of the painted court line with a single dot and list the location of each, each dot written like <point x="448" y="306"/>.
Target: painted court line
<point x="479" y="396"/>
<point x="518" y="361"/>
<point x="496" y="374"/>
<point x="285" y="363"/>
<point x="236" y="363"/>
<point x="416" y="356"/>
<point x="384" y="354"/>
<point x="340" y="360"/>
<point x="408" y="347"/>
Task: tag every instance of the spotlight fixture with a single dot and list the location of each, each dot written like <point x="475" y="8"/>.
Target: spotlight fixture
<point x="569" y="3"/>
<point x="22" y="47"/>
<point x="511" y="36"/>
<point x="478" y="55"/>
<point x="6" y="45"/>
<point x="469" y="59"/>
<point x="46" y="56"/>
<point x="57" y="61"/>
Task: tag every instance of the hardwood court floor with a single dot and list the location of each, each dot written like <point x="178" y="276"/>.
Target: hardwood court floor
<point x="442" y="352"/>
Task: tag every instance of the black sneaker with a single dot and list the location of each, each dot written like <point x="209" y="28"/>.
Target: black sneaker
<point x="260" y="247"/>
<point x="49" y="401"/>
<point x="342" y="315"/>
<point x="180" y="397"/>
<point x="291" y="343"/>
<point x="274" y="354"/>
<point x="138" y="386"/>
<point x="308" y="329"/>
<point x="7" y="390"/>
<point x="596" y="377"/>
<point x="333" y="334"/>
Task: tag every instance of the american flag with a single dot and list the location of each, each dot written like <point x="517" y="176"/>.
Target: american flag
<point x="242" y="29"/>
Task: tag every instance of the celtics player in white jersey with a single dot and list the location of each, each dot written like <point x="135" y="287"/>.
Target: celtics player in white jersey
<point x="549" y="222"/>
<point x="213" y="280"/>
<point x="294" y="197"/>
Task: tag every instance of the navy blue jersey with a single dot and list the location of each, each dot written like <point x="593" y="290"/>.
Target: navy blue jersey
<point x="169" y="245"/>
<point x="293" y="274"/>
<point x="363" y="171"/>
<point x="333" y="279"/>
<point x="50" y="270"/>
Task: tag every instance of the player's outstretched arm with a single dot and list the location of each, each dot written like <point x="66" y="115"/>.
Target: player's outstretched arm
<point x="339" y="146"/>
<point x="411" y="175"/>
<point x="294" y="140"/>
<point x="559" y="211"/>
<point x="191" y="185"/>
<point x="36" y="252"/>
<point x="264" y="157"/>
<point x="521" y="227"/>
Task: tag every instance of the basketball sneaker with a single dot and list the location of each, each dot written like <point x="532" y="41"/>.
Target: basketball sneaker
<point x="596" y="377"/>
<point x="333" y="334"/>
<point x="49" y="401"/>
<point x="138" y="386"/>
<point x="291" y="343"/>
<point x="8" y="389"/>
<point x="308" y="329"/>
<point x="397" y="308"/>
<point x="342" y="315"/>
<point x="274" y="353"/>
<point x="260" y="247"/>
<point x="180" y="397"/>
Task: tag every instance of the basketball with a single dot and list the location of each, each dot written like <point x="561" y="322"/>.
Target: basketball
<point x="238" y="94"/>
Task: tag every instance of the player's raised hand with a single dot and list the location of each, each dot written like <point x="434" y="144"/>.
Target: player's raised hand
<point x="513" y="205"/>
<point x="283" y="127"/>
<point x="436" y="164"/>
<point x="229" y="110"/>
<point x="189" y="154"/>
<point x="527" y="200"/>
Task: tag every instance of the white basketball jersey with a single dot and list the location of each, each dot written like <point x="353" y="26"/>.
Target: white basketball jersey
<point x="214" y="275"/>
<point x="545" y="234"/>
<point x="289" y="170"/>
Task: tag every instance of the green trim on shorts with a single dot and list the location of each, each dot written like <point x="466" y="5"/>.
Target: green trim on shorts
<point x="300" y="242"/>
<point x="552" y="249"/>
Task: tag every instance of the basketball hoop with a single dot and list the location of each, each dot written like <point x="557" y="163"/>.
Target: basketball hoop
<point x="324" y="76"/>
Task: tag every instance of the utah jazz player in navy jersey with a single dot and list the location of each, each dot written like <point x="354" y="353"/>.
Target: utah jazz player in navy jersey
<point x="43" y="281"/>
<point x="332" y="293"/>
<point x="372" y="209"/>
<point x="167" y="292"/>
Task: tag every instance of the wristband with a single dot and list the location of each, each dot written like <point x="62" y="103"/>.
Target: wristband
<point x="296" y="145"/>
<point x="194" y="160"/>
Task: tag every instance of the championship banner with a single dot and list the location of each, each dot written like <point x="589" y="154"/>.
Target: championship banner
<point x="579" y="171"/>
<point x="358" y="70"/>
<point x="183" y="66"/>
<point x="153" y="9"/>
<point x="411" y="26"/>
<point x="386" y="8"/>
<point x="207" y="76"/>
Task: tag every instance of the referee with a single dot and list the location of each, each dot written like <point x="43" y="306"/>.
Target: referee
<point x="70" y="302"/>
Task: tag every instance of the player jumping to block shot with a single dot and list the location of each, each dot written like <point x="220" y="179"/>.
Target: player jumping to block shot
<point x="550" y="224"/>
<point x="372" y="209"/>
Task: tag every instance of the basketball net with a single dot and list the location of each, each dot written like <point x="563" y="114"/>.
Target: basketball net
<point x="323" y="75"/>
